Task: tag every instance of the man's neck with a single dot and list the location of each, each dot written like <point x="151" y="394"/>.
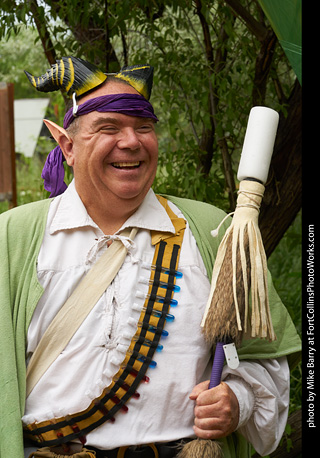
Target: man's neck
<point x="109" y="211"/>
<point x="109" y="221"/>
<point x="111" y="215"/>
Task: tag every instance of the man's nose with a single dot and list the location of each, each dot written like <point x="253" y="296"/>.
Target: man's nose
<point x="129" y="140"/>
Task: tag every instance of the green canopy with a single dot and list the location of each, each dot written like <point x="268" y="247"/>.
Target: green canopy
<point x="285" y="17"/>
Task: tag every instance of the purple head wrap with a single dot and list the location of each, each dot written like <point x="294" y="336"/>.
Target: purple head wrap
<point x="128" y="104"/>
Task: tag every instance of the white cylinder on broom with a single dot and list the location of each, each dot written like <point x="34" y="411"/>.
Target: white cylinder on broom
<point x="258" y="144"/>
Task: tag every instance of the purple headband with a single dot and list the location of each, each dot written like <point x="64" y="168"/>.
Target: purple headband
<point x="128" y="104"/>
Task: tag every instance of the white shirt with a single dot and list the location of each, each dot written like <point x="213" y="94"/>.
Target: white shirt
<point x="72" y="243"/>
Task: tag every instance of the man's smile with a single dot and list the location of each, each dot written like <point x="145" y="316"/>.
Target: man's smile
<point x="126" y="165"/>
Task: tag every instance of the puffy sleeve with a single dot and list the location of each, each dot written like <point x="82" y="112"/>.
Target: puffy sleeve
<point x="262" y="388"/>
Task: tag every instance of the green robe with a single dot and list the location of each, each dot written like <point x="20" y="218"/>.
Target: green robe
<point x="21" y="233"/>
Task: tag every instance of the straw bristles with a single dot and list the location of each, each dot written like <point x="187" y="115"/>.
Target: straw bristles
<point x="240" y="264"/>
<point x="227" y="312"/>
<point x="201" y="448"/>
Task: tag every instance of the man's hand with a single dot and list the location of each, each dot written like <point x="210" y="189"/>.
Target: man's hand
<point x="216" y="411"/>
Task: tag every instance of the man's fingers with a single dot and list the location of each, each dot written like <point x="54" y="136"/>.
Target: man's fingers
<point x="216" y="411"/>
<point x="207" y="434"/>
<point x="200" y="388"/>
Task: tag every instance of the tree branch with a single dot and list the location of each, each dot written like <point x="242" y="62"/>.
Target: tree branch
<point x="262" y="68"/>
<point x="107" y="35"/>
<point x="43" y="32"/>
<point x="45" y="38"/>
<point x="282" y="198"/>
<point x="255" y="27"/>
<point x="215" y="65"/>
<point x="125" y="49"/>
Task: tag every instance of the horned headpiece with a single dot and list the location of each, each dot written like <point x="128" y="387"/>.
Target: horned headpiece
<point x="75" y="75"/>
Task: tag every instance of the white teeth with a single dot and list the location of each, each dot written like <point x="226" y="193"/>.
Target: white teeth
<point x="126" y="164"/>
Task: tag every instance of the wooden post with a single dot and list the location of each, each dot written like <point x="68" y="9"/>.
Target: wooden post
<point x="8" y="185"/>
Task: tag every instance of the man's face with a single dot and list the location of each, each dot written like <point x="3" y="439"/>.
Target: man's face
<point x="114" y="155"/>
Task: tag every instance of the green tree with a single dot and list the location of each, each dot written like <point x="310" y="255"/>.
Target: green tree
<point x="213" y="61"/>
<point x="16" y="54"/>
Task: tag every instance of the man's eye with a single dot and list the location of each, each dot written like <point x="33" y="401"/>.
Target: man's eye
<point x="110" y="129"/>
<point x="145" y="128"/>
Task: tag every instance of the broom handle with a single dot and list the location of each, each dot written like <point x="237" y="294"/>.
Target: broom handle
<point x="217" y="366"/>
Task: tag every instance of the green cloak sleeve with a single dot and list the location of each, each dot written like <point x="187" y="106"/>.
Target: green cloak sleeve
<point x="21" y="234"/>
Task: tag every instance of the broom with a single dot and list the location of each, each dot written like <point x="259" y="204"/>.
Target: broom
<point x="240" y="267"/>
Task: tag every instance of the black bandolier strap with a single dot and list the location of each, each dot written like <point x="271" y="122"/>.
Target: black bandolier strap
<point x="139" y="354"/>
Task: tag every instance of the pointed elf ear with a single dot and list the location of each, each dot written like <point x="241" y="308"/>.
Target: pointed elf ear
<point x="62" y="137"/>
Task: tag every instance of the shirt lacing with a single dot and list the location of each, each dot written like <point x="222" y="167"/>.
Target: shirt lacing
<point x="103" y="241"/>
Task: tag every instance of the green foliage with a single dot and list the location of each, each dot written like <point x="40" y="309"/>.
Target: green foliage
<point x="18" y="53"/>
<point x="285" y="267"/>
<point x="195" y="93"/>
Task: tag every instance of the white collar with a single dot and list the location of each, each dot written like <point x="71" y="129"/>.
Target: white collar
<point x="71" y="213"/>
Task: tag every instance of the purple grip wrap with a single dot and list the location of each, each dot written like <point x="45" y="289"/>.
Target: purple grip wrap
<point x="217" y="367"/>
